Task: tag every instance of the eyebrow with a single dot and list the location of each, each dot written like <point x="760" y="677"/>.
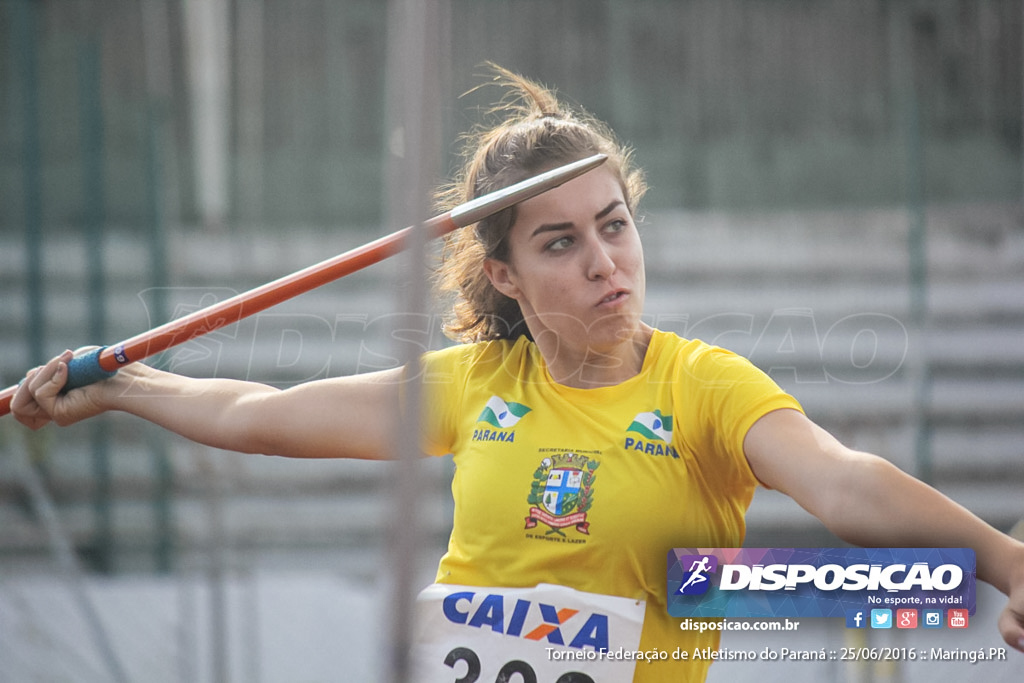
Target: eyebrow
<point x="554" y="227"/>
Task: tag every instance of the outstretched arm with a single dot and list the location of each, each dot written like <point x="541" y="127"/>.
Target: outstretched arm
<point x="348" y="417"/>
<point x="868" y="501"/>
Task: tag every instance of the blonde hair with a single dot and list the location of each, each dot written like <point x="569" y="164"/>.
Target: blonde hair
<point x="536" y="133"/>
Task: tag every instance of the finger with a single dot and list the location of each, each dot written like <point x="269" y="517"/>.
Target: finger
<point x="49" y="384"/>
<point x="1011" y="627"/>
<point x="44" y="375"/>
<point x="43" y="386"/>
<point x="24" y="406"/>
<point x="23" y="395"/>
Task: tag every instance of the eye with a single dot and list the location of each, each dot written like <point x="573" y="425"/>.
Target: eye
<point x="559" y="244"/>
<point x="616" y="226"/>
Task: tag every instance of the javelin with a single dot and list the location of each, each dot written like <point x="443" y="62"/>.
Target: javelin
<point x="103" y="362"/>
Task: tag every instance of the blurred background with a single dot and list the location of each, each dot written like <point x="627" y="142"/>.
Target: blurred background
<point x="836" y="193"/>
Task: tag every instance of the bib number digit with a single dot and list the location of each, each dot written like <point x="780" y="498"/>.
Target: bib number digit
<point x="464" y="654"/>
<point x="514" y="667"/>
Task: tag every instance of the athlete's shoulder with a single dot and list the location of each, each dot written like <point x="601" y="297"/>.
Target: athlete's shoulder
<point x="476" y="357"/>
<point x="695" y="358"/>
<point x="670" y="346"/>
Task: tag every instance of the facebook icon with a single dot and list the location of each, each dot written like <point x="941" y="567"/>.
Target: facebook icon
<point x="855" y="618"/>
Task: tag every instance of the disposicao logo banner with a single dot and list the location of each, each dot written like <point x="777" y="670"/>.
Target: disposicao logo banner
<point x="816" y="582"/>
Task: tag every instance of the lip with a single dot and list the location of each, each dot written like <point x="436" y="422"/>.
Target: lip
<point x="613" y="298"/>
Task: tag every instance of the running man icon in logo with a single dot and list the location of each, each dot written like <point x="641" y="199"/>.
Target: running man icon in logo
<point x="696" y="580"/>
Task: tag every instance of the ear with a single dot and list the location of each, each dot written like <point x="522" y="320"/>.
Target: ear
<point x="502" y="277"/>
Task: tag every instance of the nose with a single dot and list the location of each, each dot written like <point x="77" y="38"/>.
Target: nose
<point x="600" y="264"/>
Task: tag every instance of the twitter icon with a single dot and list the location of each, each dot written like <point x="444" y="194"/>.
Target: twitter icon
<point x="881" y="618"/>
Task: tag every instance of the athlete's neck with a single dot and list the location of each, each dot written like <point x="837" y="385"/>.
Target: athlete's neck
<point x="592" y="368"/>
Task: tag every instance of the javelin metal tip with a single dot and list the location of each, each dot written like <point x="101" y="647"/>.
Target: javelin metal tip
<point x="478" y="209"/>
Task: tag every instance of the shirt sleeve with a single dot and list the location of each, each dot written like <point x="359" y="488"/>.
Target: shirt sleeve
<point x="441" y="399"/>
<point x="730" y="394"/>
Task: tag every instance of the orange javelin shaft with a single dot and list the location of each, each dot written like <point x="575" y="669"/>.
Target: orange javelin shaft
<point x="103" y="362"/>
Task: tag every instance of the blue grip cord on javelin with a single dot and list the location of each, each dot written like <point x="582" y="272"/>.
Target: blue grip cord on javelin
<point x="85" y="369"/>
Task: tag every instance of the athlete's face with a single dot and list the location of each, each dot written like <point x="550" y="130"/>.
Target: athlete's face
<point x="576" y="265"/>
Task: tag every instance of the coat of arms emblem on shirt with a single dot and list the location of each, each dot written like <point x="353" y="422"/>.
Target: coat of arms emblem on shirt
<point x="562" y="492"/>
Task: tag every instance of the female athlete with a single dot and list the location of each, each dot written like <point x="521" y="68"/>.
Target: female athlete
<point x="586" y="443"/>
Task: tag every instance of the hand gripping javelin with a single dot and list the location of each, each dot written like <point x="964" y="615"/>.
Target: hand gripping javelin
<point x="103" y="362"/>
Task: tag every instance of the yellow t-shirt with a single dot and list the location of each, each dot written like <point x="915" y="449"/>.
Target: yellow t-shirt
<point x="590" y="488"/>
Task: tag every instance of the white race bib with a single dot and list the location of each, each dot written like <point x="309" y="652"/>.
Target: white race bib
<point x="546" y="634"/>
